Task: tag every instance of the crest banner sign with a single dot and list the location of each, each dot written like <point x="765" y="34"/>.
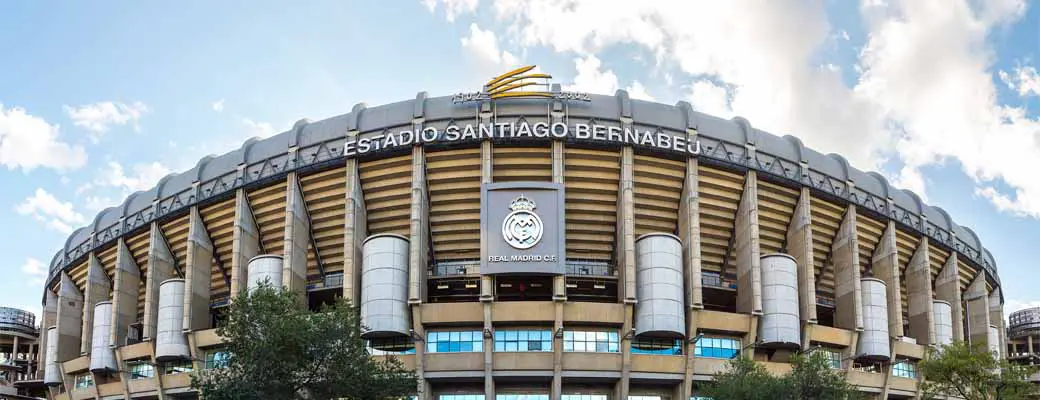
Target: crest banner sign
<point x="522" y="228"/>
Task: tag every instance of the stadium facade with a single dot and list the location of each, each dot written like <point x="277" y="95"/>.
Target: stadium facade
<point x="510" y="242"/>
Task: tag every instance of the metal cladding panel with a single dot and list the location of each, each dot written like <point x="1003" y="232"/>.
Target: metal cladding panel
<point x="170" y="340"/>
<point x="993" y="340"/>
<point x="52" y="373"/>
<point x="942" y="314"/>
<point x="384" y="285"/>
<point x="780" y="323"/>
<point x="265" y="267"/>
<point x="659" y="286"/>
<point x="102" y="358"/>
<point x="874" y="341"/>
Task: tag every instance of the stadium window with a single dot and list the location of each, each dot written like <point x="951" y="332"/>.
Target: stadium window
<point x="217" y="359"/>
<point x="904" y="369"/>
<point x="833" y="358"/>
<point x="460" y="397"/>
<point x="392" y="345"/>
<point x="577" y="396"/>
<point x="666" y="347"/>
<point x="523" y="340"/>
<point x="520" y="396"/>
<point x="605" y="341"/>
<point x="177" y="367"/>
<point x="646" y="398"/>
<point x="140" y="369"/>
<point x="84" y="380"/>
<point x="454" y="342"/>
<point x="716" y="347"/>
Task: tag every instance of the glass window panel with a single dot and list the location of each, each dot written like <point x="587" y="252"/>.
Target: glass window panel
<point x="568" y="335"/>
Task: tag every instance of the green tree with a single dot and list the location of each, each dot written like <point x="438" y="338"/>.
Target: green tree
<point x="744" y="379"/>
<point x="812" y="378"/>
<point x="972" y="372"/>
<point x="280" y="350"/>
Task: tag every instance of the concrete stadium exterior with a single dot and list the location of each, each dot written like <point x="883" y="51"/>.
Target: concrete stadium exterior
<point x="641" y="245"/>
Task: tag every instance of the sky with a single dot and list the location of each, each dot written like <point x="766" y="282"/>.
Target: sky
<point x="98" y="100"/>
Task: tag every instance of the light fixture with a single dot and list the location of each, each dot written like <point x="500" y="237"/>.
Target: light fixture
<point x="631" y="334"/>
<point x="487" y="333"/>
<point x="559" y="332"/>
<point x="415" y="336"/>
<point x="696" y="339"/>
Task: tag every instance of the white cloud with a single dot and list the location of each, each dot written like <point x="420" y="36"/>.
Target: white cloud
<point x="1025" y="81"/>
<point x="36" y="270"/>
<point x="591" y="79"/>
<point x="1012" y="305"/>
<point x="142" y="177"/>
<point x="218" y="105"/>
<point x="709" y="98"/>
<point x="452" y="8"/>
<point x="258" y="129"/>
<point x="28" y="142"/>
<point x="637" y="91"/>
<point x="57" y="215"/>
<point x="483" y="46"/>
<point x="99" y="117"/>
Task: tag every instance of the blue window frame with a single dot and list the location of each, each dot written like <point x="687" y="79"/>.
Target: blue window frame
<point x="578" y="396"/>
<point x="140" y="369"/>
<point x="83" y="381"/>
<point x="392" y="345"/>
<point x="710" y="347"/>
<point x="217" y="359"/>
<point x="460" y="397"/>
<point x="666" y="347"/>
<point x="521" y="396"/>
<point x="604" y="341"/>
<point x="454" y="342"/>
<point x="904" y="369"/>
<point x="523" y="340"/>
<point x="833" y="358"/>
<point x="645" y="398"/>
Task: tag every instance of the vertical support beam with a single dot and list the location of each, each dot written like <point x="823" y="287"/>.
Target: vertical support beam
<point x="124" y="294"/>
<point x="70" y="319"/>
<point x="885" y="264"/>
<point x="996" y="318"/>
<point x="160" y="268"/>
<point x="197" y="277"/>
<point x="559" y="285"/>
<point x="977" y="300"/>
<point x="296" y="239"/>
<point x="487" y="282"/>
<point x="97" y="290"/>
<point x="848" y="298"/>
<point x="919" y="295"/>
<point x="419" y="232"/>
<point x="800" y="246"/>
<point x="626" y="260"/>
<point x="746" y="248"/>
<point x="355" y="229"/>
<point x="947" y="288"/>
<point x="245" y="243"/>
<point x="690" y="234"/>
<point x="50" y="318"/>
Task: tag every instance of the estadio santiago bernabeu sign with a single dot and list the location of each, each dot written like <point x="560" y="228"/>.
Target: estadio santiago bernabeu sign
<point x="521" y="228"/>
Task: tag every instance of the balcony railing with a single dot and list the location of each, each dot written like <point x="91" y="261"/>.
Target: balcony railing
<point x="456" y="268"/>
<point x="589" y="268"/>
<point x="472" y="267"/>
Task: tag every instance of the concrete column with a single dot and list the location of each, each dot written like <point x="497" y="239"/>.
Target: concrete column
<point x="559" y="286"/>
<point x="996" y="317"/>
<point x="848" y="309"/>
<point x="1029" y="343"/>
<point x="124" y="294"/>
<point x="97" y="290"/>
<point x="487" y="282"/>
<point x="69" y="319"/>
<point x="296" y="239"/>
<point x="885" y="264"/>
<point x="355" y="229"/>
<point x="977" y="299"/>
<point x="626" y="261"/>
<point x="919" y="295"/>
<point x="423" y="387"/>
<point x="160" y="268"/>
<point x="800" y="246"/>
<point x="746" y="249"/>
<point x="197" y="276"/>
<point x="245" y="243"/>
<point x="50" y="318"/>
<point x="690" y="234"/>
<point x="419" y="232"/>
<point x="948" y="288"/>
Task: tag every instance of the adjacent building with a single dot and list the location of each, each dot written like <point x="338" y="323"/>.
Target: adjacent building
<point x="545" y="244"/>
<point x="1023" y="338"/>
<point x="18" y="355"/>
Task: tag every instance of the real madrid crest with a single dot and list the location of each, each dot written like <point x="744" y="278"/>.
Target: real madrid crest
<point x="522" y="228"/>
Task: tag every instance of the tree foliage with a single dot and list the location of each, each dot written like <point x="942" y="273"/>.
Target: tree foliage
<point x="810" y="378"/>
<point x="972" y="372"/>
<point x="280" y="350"/>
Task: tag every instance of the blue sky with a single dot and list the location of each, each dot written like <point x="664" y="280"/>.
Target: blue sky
<point x="99" y="100"/>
